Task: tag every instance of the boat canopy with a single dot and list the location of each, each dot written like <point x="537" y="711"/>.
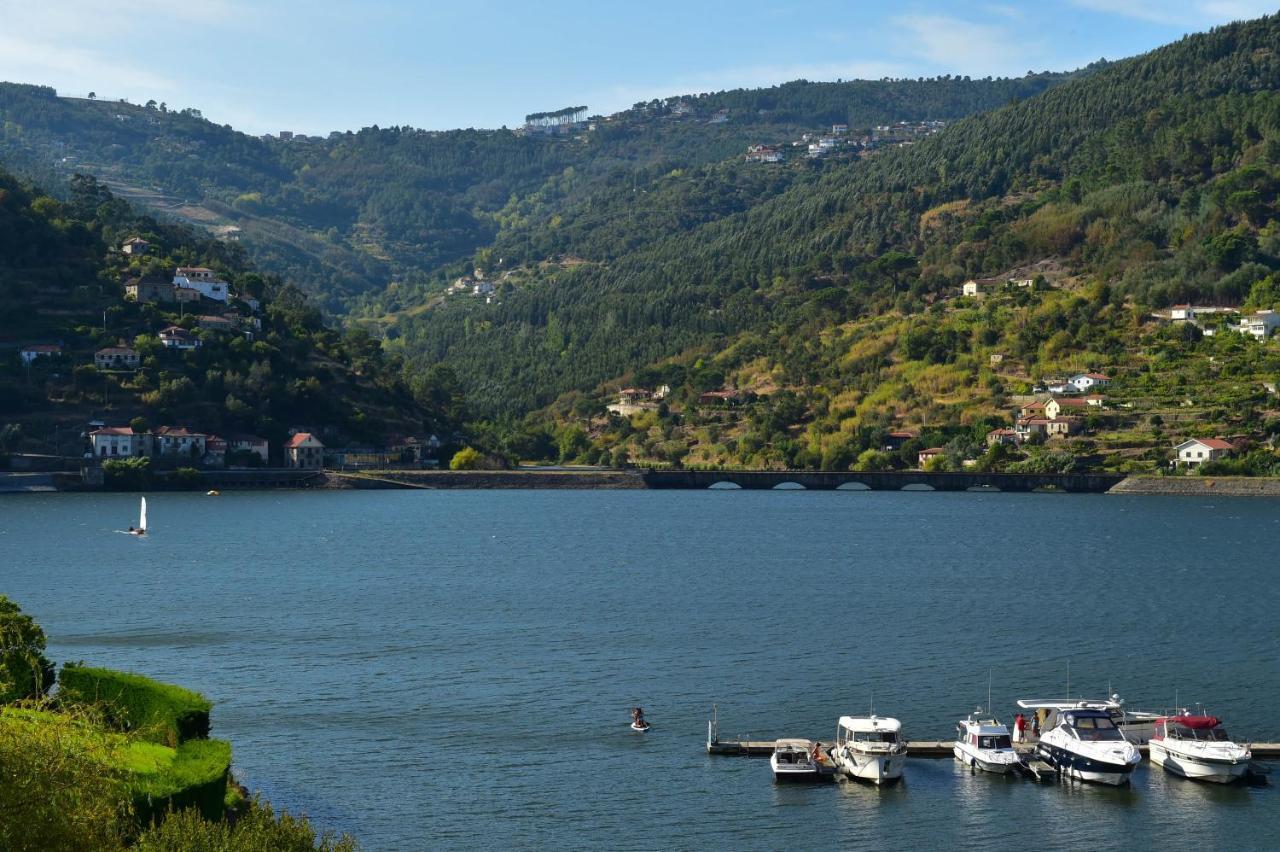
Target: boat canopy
<point x="793" y="743"/>
<point x="1067" y="704"/>
<point x="869" y="724"/>
<point x="986" y="727"/>
<point x="1195" y="722"/>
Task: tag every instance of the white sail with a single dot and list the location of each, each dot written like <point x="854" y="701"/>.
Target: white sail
<point x="142" y="517"/>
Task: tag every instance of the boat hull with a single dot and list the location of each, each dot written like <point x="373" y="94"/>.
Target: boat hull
<point x="976" y="760"/>
<point x="1083" y="768"/>
<point x="1217" y="771"/>
<point x="872" y="768"/>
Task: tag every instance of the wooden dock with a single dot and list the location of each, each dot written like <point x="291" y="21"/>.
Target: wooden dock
<point x="926" y="748"/>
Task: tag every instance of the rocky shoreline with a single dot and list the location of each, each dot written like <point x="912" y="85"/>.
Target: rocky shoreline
<point x="1199" y="486"/>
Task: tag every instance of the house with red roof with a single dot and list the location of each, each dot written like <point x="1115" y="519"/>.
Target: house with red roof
<point x="111" y="442"/>
<point x="929" y="455"/>
<point x="175" y="337"/>
<point x="304" y="451"/>
<point x="1089" y="381"/>
<point x="1197" y="451"/>
<point x="178" y="441"/>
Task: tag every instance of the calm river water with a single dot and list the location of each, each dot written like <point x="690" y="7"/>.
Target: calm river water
<point x="455" y="669"/>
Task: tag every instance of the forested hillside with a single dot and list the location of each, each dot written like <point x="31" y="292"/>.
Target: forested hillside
<point x="265" y="362"/>
<point x="348" y="214"/>
<point x="1155" y="176"/>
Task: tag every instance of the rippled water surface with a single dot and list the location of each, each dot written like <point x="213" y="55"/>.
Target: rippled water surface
<point x="432" y="669"/>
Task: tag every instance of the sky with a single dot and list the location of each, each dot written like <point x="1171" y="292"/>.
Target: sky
<point x="312" y="66"/>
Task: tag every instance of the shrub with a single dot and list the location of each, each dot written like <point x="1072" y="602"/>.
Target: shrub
<point x="465" y="459"/>
<point x="196" y="779"/>
<point x="132" y="474"/>
<point x="159" y="712"/>
<point x="59" y="790"/>
<point x="257" y="828"/>
<point x="25" y="672"/>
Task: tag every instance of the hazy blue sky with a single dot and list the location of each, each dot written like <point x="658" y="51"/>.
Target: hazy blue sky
<point x="314" y="66"/>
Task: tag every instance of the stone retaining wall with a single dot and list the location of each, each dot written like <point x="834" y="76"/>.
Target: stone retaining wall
<point x="1200" y="486"/>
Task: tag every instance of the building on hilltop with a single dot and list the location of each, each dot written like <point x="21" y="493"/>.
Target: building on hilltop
<point x="304" y="451"/>
<point x="204" y="281"/>
<point x="1259" y="325"/>
<point x="117" y="358"/>
<point x="1088" y="381"/>
<point x="175" y="337"/>
<point x="135" y="246"/>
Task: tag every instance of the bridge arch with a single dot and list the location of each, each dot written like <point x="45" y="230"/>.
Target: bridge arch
<point x="918" y="486"/>
<point x="789" y="486"/>
<point x="724" y="485"/>
<point x="853" y="486"/>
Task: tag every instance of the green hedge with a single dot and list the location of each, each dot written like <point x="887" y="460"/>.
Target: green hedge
<point x="196" y="779"/>
<point x="156" y="711"/>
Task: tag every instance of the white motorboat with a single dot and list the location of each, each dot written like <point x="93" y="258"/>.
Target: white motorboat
<point x="1198" y="747"/>
<point x="870" y="748"/>
<point x="1137" y="725"/>
<point x="985" y="744"/>
<point x="1085" y="743"/>
<point x="800" y="760"/>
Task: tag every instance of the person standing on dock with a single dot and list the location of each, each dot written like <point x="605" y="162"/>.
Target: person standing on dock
<point x="1019" y="728"/>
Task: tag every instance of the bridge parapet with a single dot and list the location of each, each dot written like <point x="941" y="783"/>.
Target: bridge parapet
<point x="1089" y="483"/>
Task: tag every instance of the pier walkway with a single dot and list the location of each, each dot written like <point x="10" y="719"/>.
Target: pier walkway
<point x="927" y="748"/>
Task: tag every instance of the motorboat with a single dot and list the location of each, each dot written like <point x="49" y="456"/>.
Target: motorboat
<point x="985" y="744"/>
<point x="1198" y="747"/>
<point x="870" y="748"/>
<point x="800" y="760"/>
<point x="1085" y="743"/>
<point x="1137" y="725"/>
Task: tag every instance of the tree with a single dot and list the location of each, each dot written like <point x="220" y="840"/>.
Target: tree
<point x="25" y="672"/>
<point x="873" y="460"/>
<point x="93" y="96"/>
<point x="465" y="459"/>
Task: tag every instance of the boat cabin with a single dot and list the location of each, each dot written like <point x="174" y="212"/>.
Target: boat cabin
<point x="867" y="730"/>
<point x="1193" y="728"/>
<point x="1091" y="725"/>
<point x="983" y="734"/>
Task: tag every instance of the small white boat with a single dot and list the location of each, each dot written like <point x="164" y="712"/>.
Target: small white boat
<point x="870" y="748"/>
<point x="1198" y="747"/>
<point x="985" y="744"/>
<point x="800" y="760"/>
<point x="1084" y="743"/>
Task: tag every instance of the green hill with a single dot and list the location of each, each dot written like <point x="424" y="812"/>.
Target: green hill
<point x="348" y="214"/>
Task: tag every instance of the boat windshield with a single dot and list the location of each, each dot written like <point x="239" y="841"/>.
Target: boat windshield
<point x="875" y="736"/>
<point x="996" y="741"/>
<point x="1095" y="728"/>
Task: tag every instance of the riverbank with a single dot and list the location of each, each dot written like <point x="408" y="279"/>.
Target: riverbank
<point x="1199" y="486"/>
<point x="486" y="479"/>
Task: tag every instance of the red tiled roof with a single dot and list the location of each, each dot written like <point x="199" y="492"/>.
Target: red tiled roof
<point x="178" y="432"/>
<point x="1070" y="401"/>
<point x="935" y="451"/>
<point x="116" y="350"/>
<point x="299" y="439"/>
<point x="904" y="433"/>
<point x="1098" y="377"/>
<point x="1215" y="443"/>
<point x="113" y="430"/>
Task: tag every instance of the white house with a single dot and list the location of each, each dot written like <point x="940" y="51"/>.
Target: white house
<point x="248" y="443"/>
<point x="116" y="442"/>
<point x="117" y="358"/>
<point x="1259" y="325"/>
<point x="1088" y="381"/>
<point x="174" y="337"/>
<point x="971" y="288"/>
<point x="1060" y="406"/>
<point x="178" y="441"/>
<point x="39" y="350"/>
<point x="219" y="291"/>
<point x="304" y="450"/>
<point x="1197" y="451"/>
